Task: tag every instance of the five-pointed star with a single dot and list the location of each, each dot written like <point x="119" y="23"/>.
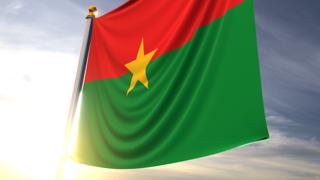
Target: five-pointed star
<point x="138" y="67"/>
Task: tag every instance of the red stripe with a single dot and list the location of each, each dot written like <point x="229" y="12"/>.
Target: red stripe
<point x="164" y="25"/>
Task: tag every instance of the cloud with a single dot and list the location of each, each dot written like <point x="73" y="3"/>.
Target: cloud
<point x="290" y="65"/>
<point x="13" y="7"/>
<point x="56" y="25"/>
<point x="279" y="120"/>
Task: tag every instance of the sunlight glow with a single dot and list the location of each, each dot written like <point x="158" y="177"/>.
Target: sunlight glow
<point x="96" y="13"/>
<point x="35" y="95"/>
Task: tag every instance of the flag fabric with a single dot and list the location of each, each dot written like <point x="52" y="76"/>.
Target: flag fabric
<point x="169" y="81"/>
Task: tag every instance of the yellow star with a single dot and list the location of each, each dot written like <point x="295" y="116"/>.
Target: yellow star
<point x="138" y="67"/>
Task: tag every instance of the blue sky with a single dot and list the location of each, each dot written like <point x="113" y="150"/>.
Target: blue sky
<point x="39" y="47"/>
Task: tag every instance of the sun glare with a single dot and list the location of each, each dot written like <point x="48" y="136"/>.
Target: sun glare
<point x="35" y="94"/>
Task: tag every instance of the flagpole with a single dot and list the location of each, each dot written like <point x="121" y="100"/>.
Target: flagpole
<point x="78" y="84"/>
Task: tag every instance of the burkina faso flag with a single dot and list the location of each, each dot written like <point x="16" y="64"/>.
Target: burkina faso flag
<point x="170" y="80"/>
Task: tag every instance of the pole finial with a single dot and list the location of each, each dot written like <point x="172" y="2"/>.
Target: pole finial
<point x="93" y="11"/>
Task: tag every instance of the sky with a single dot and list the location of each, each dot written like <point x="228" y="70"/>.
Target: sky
<point x="40" y="43"/>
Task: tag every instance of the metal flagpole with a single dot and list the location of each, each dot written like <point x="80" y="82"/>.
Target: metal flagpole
<point x="83" y="59"/>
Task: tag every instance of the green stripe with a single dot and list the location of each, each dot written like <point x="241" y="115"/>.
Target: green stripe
<point x="202" y="99"/>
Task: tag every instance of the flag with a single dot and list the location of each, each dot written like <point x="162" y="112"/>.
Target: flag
<point x="169" y="81"/>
